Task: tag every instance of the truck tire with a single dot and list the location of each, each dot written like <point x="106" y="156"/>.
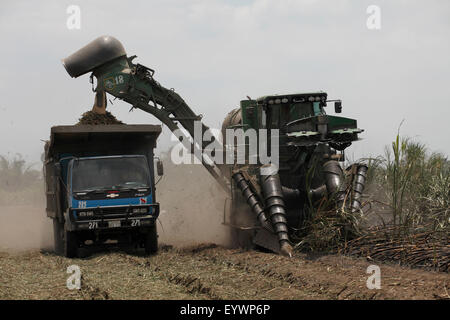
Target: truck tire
<point x="151" y="241"/>
<point x="58" y="230"/>
<point x="70" y="244"/>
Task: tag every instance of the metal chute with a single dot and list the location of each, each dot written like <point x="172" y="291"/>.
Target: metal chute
<point x="96" y="53"/>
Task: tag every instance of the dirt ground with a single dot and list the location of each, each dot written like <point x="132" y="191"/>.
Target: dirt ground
<point x="210" y="272"/>
<point x="29" y="270"/>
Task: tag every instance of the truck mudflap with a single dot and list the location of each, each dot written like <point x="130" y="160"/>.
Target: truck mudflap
<point x="121" y="221"/>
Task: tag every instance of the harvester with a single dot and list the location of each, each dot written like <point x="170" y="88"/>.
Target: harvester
<point x="268" y="200"/>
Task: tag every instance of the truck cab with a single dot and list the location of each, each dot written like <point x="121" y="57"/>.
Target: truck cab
<point x="100" y="186"/>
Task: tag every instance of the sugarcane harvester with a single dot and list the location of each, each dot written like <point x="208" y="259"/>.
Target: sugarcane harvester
<point x="309" y="176"/>
<point x="311" y="144"/>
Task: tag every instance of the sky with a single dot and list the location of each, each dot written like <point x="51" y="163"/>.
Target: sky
<point x="214" y="53"/>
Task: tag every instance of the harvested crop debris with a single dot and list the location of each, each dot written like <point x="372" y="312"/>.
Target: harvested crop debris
<point x="93" y="118"/>
<point x="417" y="248"/>
<point x="328" y="230"/>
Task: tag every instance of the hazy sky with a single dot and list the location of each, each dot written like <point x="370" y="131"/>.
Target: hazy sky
<point x="216" y="52"/>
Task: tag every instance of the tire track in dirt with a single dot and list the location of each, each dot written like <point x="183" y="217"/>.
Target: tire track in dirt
<point x="274" y="268"/>
<point x="213" y="278"/>
<point x="120" y="275"/>
<point x="189" y="283"/>
<point x="278" y="285"/>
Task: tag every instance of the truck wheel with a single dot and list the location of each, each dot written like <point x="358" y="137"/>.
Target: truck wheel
<point x="58" y="237"/>
<point x="70" y="244"/>
<point x="151" y="241"/>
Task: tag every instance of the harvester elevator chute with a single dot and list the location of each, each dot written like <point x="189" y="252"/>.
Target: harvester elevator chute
<point x="117" y="75"/>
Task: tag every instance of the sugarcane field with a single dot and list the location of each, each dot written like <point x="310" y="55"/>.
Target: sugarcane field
<point x="235" y="158"/>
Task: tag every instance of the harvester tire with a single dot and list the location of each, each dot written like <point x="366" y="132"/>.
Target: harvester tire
<point x="58" y="244"/>
<point x="151" y="241"/>
<point x="70" y="244"/>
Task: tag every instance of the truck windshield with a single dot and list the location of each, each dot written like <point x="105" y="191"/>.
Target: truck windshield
<point x="110" y="173"/>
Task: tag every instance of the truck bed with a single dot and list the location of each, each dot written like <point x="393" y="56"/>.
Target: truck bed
<point x="78" y="133"/>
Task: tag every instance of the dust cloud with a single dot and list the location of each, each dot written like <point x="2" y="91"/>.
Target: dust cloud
<point x="24" y="227"/>
<point x="191" y="202"/>
<point x="23" y="221"/>
<point x="192" y="206"/>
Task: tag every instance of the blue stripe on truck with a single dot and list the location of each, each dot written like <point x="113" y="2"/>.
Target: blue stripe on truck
<point x="81" y="204"/>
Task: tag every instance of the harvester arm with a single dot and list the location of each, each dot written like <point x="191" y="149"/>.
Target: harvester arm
<point x="134" y="83"/>
<point x="142" y="91"/>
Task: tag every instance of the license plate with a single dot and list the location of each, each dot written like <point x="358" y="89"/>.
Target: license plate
<point x="114" y="224"/>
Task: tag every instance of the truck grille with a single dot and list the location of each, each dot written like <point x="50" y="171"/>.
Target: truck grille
<point x="121" y="211"/>
<point x="115" y="212"/>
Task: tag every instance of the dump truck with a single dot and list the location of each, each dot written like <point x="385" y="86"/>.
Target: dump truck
<point x="311" y="144"/>
<point x="100" y="186"/>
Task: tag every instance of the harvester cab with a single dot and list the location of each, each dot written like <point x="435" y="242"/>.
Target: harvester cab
<point x="300" y="116"/>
